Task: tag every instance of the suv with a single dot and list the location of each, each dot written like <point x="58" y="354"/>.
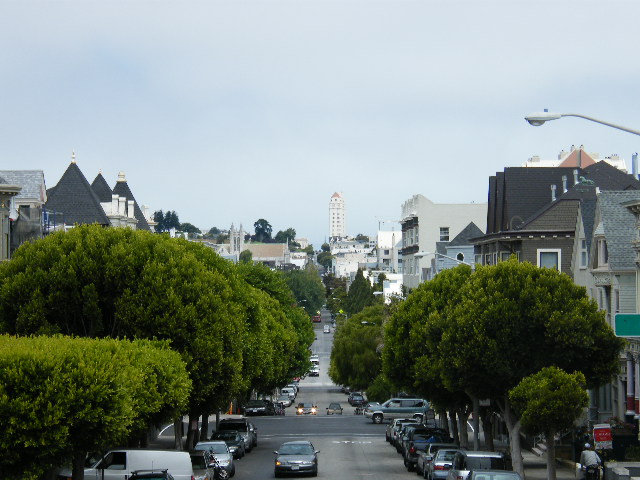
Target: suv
<point x="259" y="407"/>
<point x="463" y="462"/>
<point x="243" y="426"/>
<point x="356" y="399"/>
<point x="397" y="408"/>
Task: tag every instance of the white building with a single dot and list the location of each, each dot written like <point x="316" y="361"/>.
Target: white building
<point x="576" y="157"/>
<point x="424" y="224"/>
<point x="349" y="255"/>
<point x="388" y="246"/>
<point x="337" y="218"/>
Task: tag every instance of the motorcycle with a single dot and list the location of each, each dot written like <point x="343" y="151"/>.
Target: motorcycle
<point x="219" y="472"/>
<point x="591" y="472"/>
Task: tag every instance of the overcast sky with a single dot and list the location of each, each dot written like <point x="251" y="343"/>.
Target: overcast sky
<point x="231" y="111"/>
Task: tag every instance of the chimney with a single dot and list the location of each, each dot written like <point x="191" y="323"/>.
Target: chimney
<point x="634" y="165"/>
<point x="564" y="183"/>
<point x="130" y="209"/>
<point x="114" y="204"/>
<point x="121" y="207"/>
<point x="575" y="176"/>
<point x="553" y="193"/>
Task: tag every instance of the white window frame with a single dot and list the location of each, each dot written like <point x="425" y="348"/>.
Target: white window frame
<point x="584" y="257"/>
<point x="550" y="250"/>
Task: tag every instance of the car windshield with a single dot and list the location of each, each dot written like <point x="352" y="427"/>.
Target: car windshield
<point x="255" y="403"/>
<point x="225" y="435"/>
<point x="305" y="405"/>
<point x="296" y="449"/>
<point x="445" y="455"/>
<point x="213" y="447"/>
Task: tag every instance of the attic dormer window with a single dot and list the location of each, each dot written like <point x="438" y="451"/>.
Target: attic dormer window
<point x="602" y="253"/>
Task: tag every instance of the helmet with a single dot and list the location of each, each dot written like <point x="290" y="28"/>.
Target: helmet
<point x="587" y="445"/>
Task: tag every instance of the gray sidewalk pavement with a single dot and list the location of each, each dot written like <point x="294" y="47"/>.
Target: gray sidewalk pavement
<point x="535" y="468"/>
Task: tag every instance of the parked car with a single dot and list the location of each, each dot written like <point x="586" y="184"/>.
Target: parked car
<point x="314" y="372"/>
<point x="317" y="319"/>
<point x="247" y="429"/>
<point x="334" y="408"/>
<point x="356" y="399"/>
<point x="200" y="464"/>
<point x="288" y="391"/>
<point x="285" y="400"/>
<point x="437" y="467"/>
<point x="463" y="462"/>
<point x="258" y="407"/>
<point x="396" y="426"/>
<point x="234" y="441"/>
<point x="296" y="458"/>
<point x="397" y="408"/>
<point x="393" y="424"/>
<point x="221" y="451"/>
<point x="306" y="408"/>
<point x="419" y="439"/>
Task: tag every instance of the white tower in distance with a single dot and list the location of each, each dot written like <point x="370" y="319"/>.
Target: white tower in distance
<point x="337" y="220"/>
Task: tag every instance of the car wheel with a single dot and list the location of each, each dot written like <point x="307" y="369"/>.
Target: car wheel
<point x="377" y="418"/>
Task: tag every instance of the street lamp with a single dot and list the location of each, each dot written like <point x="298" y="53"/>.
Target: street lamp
<point x="539" y="118"/>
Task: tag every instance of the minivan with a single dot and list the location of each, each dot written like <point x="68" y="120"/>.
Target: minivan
<point x="397" y="408"/>
<point x="289" y="391"/>
<point x="120" y="464"/>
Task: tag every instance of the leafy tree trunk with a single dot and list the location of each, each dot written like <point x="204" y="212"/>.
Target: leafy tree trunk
<point x="487" y="427"/>
<point x="462" y="429"/>
<point x="454" y="425"/>
<point x="476" y="422"/>
<point x="192" y="431"/>
<point x="551" y="454"/>
<point x="77" y="465"/>
<point x="204" y="431"/>
<point x="513" y="426"/>
<point x="444" y="420"/>
<point x="177" y="433"/>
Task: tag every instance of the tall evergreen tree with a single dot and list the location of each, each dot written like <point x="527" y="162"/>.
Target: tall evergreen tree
<point x="360" y="294"/>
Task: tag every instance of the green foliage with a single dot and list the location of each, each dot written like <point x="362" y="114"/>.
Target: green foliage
<point x="189" y="228"/>
<point x="307" y="288"/>
<point x="166" y="221"/>
<point x="355" y="356"/>
<point x="362" y="238"/>
<point x="263" y="231"/>
<point x="360" y="294"/>
<point x="62" y="397"/>
<point x="286" y="236"/>
<point x="513" y="319"/>
<point x="325" y="259"/>
<point x="245" y="256"/>
<point x="381" y="389"/>
<point x="550" y="400"/>
<point x="325" y="247"/>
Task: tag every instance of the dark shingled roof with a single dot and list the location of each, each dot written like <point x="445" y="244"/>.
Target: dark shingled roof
<point x="462" y="239"/>
<point x="75" y="199"/>
<point x="619" y="224"/>
<point x="122" y="189"/>
<point x="102" y="189"/>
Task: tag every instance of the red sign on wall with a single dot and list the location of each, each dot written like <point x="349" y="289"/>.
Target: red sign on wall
<point x="602" y="436"/>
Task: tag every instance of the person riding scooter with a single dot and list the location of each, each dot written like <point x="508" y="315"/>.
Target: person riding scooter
<point x="590" y="463"/>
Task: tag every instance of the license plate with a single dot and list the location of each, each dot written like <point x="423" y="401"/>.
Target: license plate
<point x="254" y="411"/>
<point x="295" y="467"/>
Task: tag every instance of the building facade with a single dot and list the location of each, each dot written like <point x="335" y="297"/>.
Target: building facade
<point x="337" y="218"/>
<point x="424" y="224"/>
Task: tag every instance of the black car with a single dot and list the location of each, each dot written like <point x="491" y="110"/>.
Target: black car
<point x="151" y="475"/>
<point x="296" y="458"/>
<point x="234" y="441"/>
<point x="259" y="407"/>
<point x="356" y="399"/>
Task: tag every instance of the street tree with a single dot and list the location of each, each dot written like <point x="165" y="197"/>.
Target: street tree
<point x="355" y="357"/>
<point x="412" y="357"/>
<point x="262" y="230"/>
<point x="307" y="288"/>
<point x="549" y="402"/>
<point x="360" y="294"/>
<point x="189" y="228"/>
<point x="245" y="256"/>
<point x="166" y="221"/>
<point x="61" y="397"/>
<point x="513" y="319"/>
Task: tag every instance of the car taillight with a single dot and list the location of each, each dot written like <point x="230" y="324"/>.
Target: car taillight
<point x="412" y="449"/>
<point x="440" y="467"/>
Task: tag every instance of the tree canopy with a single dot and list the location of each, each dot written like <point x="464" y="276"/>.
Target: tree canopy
<point x="360" y="294"/>
<point x="307" y="288"/>
<point x="166" y="221"/>
<point x="262" y="230"/>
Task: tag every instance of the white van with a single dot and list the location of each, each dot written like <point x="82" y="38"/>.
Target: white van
<point x="120" y="464"/>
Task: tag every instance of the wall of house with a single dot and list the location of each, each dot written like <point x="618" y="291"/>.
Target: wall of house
<point x="530" y="249"/>
<point x="627" y="293"/>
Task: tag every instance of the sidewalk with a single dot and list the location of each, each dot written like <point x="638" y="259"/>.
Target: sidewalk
<point x="535" y="468"/>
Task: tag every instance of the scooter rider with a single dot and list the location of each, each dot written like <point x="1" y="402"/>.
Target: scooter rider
<point x="589" y="458"/>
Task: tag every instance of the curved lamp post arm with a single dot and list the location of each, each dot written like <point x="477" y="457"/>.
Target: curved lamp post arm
<point x="539" y="118"/>
<point x="608" y="124"/>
